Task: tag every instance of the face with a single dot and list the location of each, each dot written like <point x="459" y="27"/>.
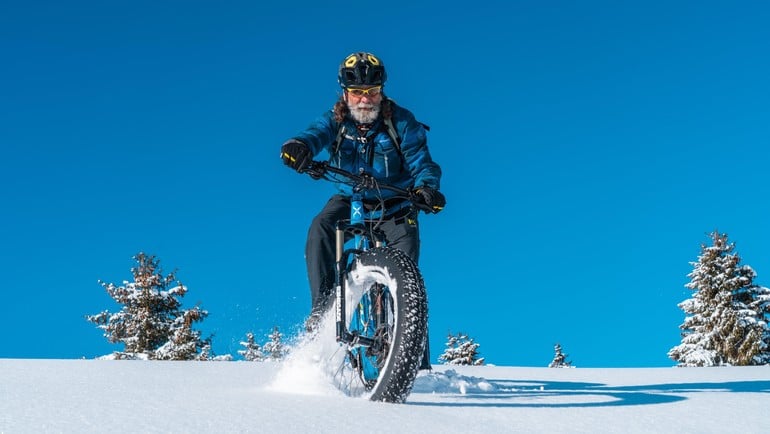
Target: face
<point x="364" y="104"/>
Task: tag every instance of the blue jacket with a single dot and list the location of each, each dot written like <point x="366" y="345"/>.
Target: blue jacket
<point x="376" y="153"/>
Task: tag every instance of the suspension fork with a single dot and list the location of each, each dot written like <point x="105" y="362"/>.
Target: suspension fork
<point x="341" y="260"/>
<point x="357" y="228"/>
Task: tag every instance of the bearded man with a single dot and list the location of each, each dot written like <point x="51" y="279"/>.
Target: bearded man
<point x="366" y="132"/>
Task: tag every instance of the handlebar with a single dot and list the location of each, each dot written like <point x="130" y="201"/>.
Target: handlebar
<point x="361" y="182"/>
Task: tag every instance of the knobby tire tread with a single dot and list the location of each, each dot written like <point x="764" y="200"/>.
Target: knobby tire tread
<point x="396" y="380"/>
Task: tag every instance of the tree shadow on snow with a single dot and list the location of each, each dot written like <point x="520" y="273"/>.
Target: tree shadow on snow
<point x="561" y="394"/>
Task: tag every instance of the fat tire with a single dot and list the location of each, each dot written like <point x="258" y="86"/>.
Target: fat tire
<point x="410" y="331"/>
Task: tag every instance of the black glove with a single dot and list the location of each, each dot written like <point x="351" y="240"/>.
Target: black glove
<point x="296" y="155"/>
<point x="432" y="198"/>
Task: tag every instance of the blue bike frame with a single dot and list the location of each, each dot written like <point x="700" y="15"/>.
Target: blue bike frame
<point x="362" y="236"/>
<point x="356" y="226"/>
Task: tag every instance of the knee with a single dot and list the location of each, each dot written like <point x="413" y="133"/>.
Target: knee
<point x="321" y="227"/>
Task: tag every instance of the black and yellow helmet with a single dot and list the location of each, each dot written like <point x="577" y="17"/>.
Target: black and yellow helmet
<point x="361" y="69"/>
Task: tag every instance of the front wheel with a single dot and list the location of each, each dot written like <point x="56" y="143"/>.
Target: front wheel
<point x="386" y="300"/>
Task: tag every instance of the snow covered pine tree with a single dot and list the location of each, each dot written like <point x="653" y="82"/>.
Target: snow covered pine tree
<point x="151" y="324"/>
<point x="726" y="318"/>
<point x="559" y="359"/>
<point x="274" y="349"/>
<point x="252" y="352"/>
<point x="461" y="350"/>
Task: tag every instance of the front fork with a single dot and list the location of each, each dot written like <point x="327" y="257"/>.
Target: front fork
<point x="356" y="229"/>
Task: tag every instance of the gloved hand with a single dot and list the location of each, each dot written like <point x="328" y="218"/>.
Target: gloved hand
<point x="296" y="155"/>
<point x="432" y="198"/>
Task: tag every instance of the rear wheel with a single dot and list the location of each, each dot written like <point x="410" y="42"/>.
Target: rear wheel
<point x="386" y="301"/>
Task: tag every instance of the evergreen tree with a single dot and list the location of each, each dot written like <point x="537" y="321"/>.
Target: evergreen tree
<point x="761" y="304"/>
<point x="725" y="323"/>
<point x="559" y="359"/>
<point x="274" y="348"/>
<point x="151" y="323"/>
<point x="450" y="352"/>
<point x="252" y="351"/>
<point x="461" y="350"/>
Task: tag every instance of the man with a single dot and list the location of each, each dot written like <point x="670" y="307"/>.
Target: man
<point x="366" y="132"/>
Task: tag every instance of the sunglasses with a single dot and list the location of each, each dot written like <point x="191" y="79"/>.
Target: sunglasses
<point x="372" y="91"/>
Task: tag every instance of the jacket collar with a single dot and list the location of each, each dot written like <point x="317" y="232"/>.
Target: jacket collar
<point x="363" y="130"/>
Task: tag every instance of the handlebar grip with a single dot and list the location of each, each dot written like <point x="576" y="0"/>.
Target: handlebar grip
<point x="418" y="202"/>
<point x="424" y="207"/>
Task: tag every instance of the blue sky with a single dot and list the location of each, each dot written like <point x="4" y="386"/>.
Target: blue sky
<point x="587" y="149"/>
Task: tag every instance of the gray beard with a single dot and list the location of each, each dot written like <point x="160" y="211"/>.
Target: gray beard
<point x="364" y="113"/>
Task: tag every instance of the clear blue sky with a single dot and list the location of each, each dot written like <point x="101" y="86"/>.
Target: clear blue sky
<point x="587" y="149"/>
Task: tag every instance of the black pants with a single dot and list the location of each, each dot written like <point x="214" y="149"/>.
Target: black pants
<point x="401" y="233"/>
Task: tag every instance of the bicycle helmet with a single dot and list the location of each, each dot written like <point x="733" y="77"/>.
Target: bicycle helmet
<point x="361" y="69"/>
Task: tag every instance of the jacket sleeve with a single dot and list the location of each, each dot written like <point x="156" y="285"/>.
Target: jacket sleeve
<point x="319" y="135"/>
<point x="414" y="147"/>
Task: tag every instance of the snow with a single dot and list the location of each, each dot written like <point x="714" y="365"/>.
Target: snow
<point x="295" y="397"/>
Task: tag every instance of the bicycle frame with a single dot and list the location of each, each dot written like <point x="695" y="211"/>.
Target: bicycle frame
<point x="381" y="303"/>
<point x="364" y="238"/>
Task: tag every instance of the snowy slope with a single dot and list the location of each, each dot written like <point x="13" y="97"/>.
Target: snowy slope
<point x="142" y="396"/>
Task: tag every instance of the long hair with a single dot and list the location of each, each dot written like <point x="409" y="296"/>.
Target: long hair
<point x="341" y="109"/>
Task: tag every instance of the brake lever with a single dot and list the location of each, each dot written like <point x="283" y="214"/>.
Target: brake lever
<point x="316" y="170"/>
